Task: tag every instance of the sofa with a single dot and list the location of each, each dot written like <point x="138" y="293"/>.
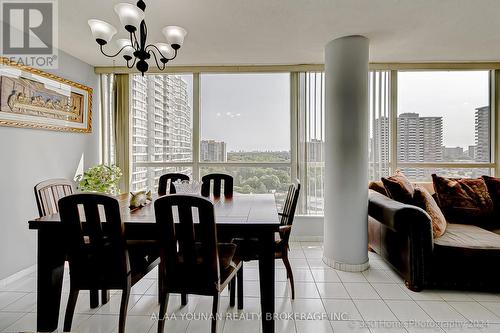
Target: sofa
<point x="466" y="256"/>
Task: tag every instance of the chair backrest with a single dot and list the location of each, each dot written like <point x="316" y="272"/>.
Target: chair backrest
<point x="217" y="180"/>
<point x="187" y="249"/>
<point x="95" y="241"/>
<point x="48" y="193"/>
<point x="288" y="213"/>
<point x="172" y="177"/>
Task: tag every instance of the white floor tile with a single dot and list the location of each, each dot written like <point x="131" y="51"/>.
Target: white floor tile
<point x="408" y="311"/>
<point x="325" y="275"/>
<point x="137" y="324"/>
<point x="349" y="327"/>
<point x="475" y="311"/>
<point x="374" y="310"/>
<point x="361" y="291"/>
<point x="332" y="290"/>
<point x="301" y="275"/>
<point x="316" y="326"/>
<point x="9" y="297"/>
<point x="344" y="309"/>
<point x="26" y="323"/>
<point x="9" y="318"/>
<point x="306" y="290"/>
<point x="492" y="306"/>
<point x="388" y="327"/>
<point x="377" y="275"/>
<point x="440" y="311"/>
<point x="242" y="326"/>
<point x="351" y="276"/>
<point x="390" y="291"/>
<point x="302" y="307"/>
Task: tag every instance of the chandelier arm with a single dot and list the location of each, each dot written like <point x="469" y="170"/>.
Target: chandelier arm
<point x="133" y="64"/>
<point x="113" y="55"/>
<point x="158" y="50"/>
<point x="156" y="61"/>
<point x="133" y="40"/>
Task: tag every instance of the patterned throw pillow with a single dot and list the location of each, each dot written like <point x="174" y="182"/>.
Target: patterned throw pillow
<point x="399" y="188"/>
<point x="377" y="187"/>
<point x="493" y="185"/>
<point x="464" y="200"/>
<point x="423" y="199"/>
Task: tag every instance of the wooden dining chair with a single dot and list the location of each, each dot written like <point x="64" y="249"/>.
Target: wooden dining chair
<point x="217" y="179"/>
<point x="192" y="262"/>
<point x="47" y="194"/>
<point x="172" y="178"/>
<point x="97" y="250"/>
<point x="248" y="248"/>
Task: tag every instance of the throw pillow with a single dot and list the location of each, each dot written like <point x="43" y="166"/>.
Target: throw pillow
<point x="493" y="185"/>
<point x="377" y="187"/>
<point x="423" y="199"/>
<point x="464" y="200"/>
<point x="399" y="188"/>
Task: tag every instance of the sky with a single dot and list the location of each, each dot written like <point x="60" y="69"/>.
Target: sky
<point x="454" y="95"/>
<point x="247" y="111"/>
<point x="251" y="111"/>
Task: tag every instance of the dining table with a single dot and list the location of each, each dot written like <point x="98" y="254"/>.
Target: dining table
<point x="252" y="216"/>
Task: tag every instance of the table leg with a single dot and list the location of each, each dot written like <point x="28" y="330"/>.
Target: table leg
<point x="50" y="270"/>
<point x="266" y="274"/>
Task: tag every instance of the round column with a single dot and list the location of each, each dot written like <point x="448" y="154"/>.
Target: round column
<point x="346" y="154"/>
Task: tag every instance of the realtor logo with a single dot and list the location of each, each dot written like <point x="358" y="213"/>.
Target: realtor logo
<point x="29" y="32"/>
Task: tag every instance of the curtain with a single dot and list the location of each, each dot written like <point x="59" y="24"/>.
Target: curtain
<point x="107" y="123"/>
<point x="121" y="117"/>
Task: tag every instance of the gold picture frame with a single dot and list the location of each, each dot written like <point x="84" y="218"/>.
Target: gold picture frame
<point x="32" y="98"/>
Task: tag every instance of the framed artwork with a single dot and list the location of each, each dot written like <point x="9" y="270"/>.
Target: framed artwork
<point x="32" y="98"/>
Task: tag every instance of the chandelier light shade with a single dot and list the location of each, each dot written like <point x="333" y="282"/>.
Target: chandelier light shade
<point x="174" y="35"/>
<point x="135" y="49"/>
<point x="102" y="31"/>
<point x="130" y="16"/>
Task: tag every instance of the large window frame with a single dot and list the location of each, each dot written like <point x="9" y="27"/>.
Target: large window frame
<point x="294" y="71"/>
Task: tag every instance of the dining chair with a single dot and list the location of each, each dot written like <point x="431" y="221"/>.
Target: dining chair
<point x="97" y="250"/>
<point x="218" y="179"/>
<point x="47" y="194"/>
<point x="248" y="248"/>
<point x="172" y="177"/>
<point x="192" y="262"/>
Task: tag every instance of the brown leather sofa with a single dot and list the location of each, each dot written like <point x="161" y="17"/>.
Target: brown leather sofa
<point x="465" y="257"/>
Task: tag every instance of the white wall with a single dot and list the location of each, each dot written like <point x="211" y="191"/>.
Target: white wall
<point x="28" y="156"/>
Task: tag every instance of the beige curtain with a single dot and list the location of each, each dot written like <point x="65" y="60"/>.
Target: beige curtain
<point x="122" y="129"/>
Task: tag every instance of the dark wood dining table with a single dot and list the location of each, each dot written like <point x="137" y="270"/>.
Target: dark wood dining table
<point x="242" y="216"/>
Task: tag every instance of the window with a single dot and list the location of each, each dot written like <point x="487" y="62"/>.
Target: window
<point x="245" y="130"/>
<point x="161" y="126"/>
<point x="443" y="118"/>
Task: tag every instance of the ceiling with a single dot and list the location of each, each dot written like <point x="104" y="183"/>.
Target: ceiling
<point x="257" y="32"/>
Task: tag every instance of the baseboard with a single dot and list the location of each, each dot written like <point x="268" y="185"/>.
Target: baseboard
<point x="17" y="276"/>
<point x="306" y="238"/>
<point x="346" y="267"/>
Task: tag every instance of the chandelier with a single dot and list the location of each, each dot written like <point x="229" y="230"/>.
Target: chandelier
<point x="134" y="49"/>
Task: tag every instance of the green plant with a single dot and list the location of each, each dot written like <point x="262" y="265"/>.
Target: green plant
<point x="100" y="178"/>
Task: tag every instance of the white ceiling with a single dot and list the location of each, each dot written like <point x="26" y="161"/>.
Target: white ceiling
<point x="238" y="32"/>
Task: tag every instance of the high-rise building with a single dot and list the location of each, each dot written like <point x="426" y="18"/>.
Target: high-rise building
<point x="213" y="151"/>
<point x="420" y="139"/>
<point x="482" y="116"/>
<point x="161" y="126"/>
<point x="453" y="153"/>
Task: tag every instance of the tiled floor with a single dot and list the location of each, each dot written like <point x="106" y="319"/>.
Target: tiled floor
<point x="326" y="301"/>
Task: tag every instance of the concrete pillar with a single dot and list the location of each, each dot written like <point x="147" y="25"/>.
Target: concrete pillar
<point x="346" y="150"/>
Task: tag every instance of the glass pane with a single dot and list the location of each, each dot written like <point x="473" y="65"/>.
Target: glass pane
<point x="161" y="118"/>
<point x="312" y="142"/>
<point x="256" y="179"/>
<point x="146" y="178"/>
<point x="245" y="117"/>
<point x="424" y="174"/>
<point x="443" y="116"/>
<point x="379" y="144"/>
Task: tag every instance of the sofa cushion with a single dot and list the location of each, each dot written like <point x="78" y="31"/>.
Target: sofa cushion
<point x="464" y="200"/>
<point x="466" y="236"/>
<point x="424" y="200"/>
<point x="399" y="188"/>
<point x="377" y="186"/>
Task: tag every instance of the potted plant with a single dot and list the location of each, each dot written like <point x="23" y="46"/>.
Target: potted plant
<point x="100" y="178"/>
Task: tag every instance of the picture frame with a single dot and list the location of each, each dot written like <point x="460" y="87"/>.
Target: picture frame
<point x="32" y="98"/>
